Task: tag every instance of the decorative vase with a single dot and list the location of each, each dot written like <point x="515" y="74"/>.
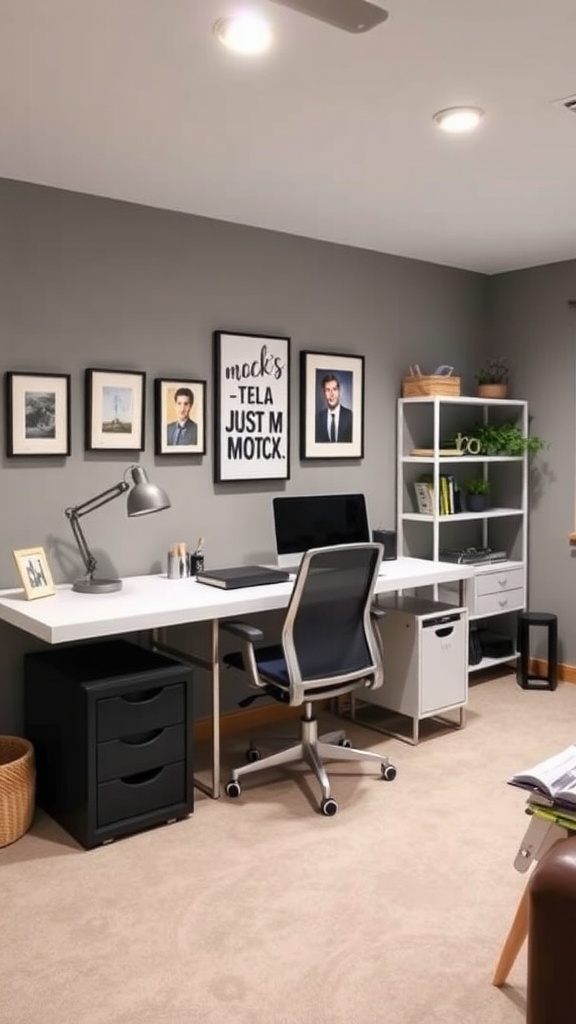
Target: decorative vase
<point x="493" y="390"/>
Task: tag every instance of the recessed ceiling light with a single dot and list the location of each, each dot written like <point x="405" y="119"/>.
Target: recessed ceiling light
<point x="245" y="33"/>
<point x="459" y="119"/>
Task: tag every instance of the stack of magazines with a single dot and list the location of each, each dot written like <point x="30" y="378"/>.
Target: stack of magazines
<point x="552" y="787"/>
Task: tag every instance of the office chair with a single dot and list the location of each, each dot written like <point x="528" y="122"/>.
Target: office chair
<point x="328" y="647"/>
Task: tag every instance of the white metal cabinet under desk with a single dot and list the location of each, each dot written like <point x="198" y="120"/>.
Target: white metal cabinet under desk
<point x="425" y="662"/>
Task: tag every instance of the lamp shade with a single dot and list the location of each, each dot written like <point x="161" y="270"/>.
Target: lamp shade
<point x="144" y="496"/>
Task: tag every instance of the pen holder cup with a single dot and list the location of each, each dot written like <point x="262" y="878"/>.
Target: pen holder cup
<point x="196" y="563"/>
<point x="178" y="566"/>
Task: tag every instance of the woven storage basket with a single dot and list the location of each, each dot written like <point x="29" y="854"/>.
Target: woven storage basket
<point x="17" y="788"/>
<point x="414" y="387"/>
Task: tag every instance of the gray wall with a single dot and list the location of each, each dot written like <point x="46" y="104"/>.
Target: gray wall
<point x="531" y="323"/>
<point x="89" y="282"/>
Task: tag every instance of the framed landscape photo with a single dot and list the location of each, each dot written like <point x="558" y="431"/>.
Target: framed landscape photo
<point x="179" y="416"/>
<point x="251" y="407"/>
<point x="37" y="413"/>
<point x="34" y="572"/>
<point x="331" y="406"/>
<point x="115" y="406"/>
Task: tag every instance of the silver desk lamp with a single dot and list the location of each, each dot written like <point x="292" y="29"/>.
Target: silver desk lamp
<point x="142" y="499"/>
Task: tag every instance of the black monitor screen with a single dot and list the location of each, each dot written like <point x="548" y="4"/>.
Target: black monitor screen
<point x="318" y="521"/>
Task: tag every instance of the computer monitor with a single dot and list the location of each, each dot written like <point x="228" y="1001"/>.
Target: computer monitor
<point x="317" y="521"/>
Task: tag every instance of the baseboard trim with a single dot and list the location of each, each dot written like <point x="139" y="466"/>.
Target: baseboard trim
<point x="243" y="721"/>
<point x="566" y="673"/>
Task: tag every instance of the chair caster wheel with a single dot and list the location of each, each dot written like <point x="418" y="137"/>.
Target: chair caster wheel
<point x="388" y="772"/>
<point x="345" y="743"/>
<point x="253" y="755"/>
<point x="232" y="788"/>
<point x="329" y="807"/>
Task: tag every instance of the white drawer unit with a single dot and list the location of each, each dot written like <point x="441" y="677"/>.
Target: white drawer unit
<point x="425" y="660"/>
<point x="496" y="589"/>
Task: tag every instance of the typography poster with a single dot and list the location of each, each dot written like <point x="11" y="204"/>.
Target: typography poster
<point x="252" y="407"/>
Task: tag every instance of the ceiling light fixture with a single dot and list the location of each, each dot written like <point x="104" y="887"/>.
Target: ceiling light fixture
<point x="459" y="119"/>
<point x="244" y="34"/>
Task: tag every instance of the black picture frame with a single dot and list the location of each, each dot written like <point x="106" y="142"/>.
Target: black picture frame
<point x="251" y="407"/>
<point x="191" y="438"/>
<point x="343" y="375"/>
<point x="37" y="414"/>
<point x="115" y="408"/>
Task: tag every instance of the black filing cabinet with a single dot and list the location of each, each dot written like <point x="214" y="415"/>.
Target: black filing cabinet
<point x="111" y="724"/>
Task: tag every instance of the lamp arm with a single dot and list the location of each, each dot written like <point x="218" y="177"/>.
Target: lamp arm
<point x="100" y="499"/>
<point x="87" y="556"/>
<point x="75" y="513"/>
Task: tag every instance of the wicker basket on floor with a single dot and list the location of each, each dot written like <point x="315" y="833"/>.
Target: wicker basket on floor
<point x="17" y="788"/>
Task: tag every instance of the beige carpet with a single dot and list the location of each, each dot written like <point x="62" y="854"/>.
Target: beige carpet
<point x="261" y="911"/>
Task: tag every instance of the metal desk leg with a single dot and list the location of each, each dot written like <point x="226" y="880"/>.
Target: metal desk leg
<point x="215" y="653"/>
<point x="212" y="666"/>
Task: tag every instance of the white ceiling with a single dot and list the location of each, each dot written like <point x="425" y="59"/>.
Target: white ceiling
<point x="330" y="135"/>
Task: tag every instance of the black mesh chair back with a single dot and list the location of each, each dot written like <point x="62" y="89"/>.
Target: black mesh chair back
<point x="328" y="639"/>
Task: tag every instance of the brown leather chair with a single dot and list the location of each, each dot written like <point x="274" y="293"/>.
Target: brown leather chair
<point x="551" y="993"/>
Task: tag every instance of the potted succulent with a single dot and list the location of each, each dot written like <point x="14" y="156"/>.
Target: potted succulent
<point x="493" y="379"/>
<point x="477" y="491"/>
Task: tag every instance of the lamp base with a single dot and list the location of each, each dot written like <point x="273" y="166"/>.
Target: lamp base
<point x="97" y="586"/>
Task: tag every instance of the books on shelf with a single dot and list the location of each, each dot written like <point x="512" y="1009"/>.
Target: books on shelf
<point x="242" y="576"/>
<point x="424" y="497"/>
<point x="442" y="452"/>
<point x="449" y="500"/>
<point x="554" y="779"/>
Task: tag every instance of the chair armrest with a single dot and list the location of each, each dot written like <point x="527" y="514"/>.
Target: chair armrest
<point x="251" y="634"/>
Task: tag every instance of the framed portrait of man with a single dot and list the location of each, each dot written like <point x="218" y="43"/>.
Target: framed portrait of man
<point x="180" y="416"/>
<point x="332" y="406"/>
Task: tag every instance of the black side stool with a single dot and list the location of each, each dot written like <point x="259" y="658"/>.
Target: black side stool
<point x="527" y="680"/>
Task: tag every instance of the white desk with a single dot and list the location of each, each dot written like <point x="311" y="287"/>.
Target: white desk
<point x="155" y="602"/>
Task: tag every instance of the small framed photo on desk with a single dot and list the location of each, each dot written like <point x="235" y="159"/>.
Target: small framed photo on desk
<point x="34" y="572"/>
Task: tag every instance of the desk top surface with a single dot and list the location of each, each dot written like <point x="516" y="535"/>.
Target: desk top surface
<point x="153" y="602"/>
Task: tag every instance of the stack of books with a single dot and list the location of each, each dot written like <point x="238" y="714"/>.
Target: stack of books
<point x="449" y="499"/>
<point x="552" y="788"/>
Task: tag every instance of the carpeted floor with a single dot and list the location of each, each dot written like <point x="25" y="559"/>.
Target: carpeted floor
<point x="261" y="911"/>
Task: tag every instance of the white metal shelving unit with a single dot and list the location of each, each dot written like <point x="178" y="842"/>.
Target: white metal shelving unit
<point x="425" y="422"/>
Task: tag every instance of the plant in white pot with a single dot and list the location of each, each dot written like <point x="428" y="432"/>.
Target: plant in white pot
<point x="493" y="379"/>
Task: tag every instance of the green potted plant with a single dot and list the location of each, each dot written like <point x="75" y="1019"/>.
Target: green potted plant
<point x="493" y="379"/>
<point x="505" y="439"/>
<point x="477" y="490"/>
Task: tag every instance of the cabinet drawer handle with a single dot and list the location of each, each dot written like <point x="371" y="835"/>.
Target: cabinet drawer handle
<point x="142" y="778"/>
<point x="503" y="581"/>
<point x="503" y="602"/>
<point x="142" y="696"/>
<point x="445" y="631"/>
<point x="140" y="739"/>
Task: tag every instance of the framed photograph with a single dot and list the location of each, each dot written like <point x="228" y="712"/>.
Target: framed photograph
<point x="251" y="407"/>
<point x="331" y="406"/>
<point x="37" y="413"/>
<point x="115" y="405"/>
<point x="34" y="572"/>
<point x="180" y="416"/>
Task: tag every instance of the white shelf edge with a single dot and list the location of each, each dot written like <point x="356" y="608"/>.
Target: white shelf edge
<point x="464" y="400"/>
<point x="492" y="662"/>
<point x="490" y="513"/>
<point x="460" y="460"/>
